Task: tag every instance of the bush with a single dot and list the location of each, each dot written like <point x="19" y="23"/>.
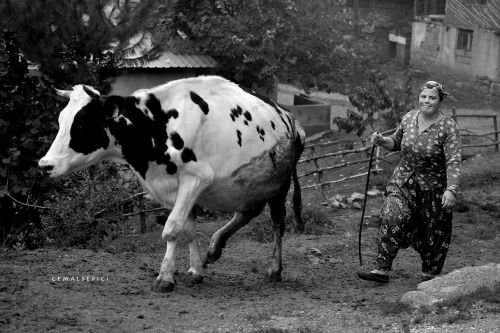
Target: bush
<point x="86" y="211"/>
<point x="375" y="107"/>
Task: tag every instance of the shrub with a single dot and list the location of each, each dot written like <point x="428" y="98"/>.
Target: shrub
<point x="86" y="210"/>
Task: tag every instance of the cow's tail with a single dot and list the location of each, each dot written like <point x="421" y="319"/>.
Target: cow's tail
<point x="297" y="192"/>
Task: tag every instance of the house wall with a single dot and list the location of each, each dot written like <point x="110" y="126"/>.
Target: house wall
<point x="434" y="46"/>
<point x="131" y="80"/>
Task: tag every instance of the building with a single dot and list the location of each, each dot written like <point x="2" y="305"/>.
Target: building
<point x="388" y="23"/>
<point x="167" y="67"/>
<point x="461" y="37"/>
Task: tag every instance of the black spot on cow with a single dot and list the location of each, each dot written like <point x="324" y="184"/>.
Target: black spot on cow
<point x="177" y="141"/>
<point x="272" y="156"/>
<point x="89" y="120"/>
<point x="188" y="155"/>
<point x="159" y="124"/>
<point x="172" y="114"/>
<point x="236" y="112"/>
<point x="238" y="134"/>
<point x="200" y="101"/>
<point x="270" y="102"/>
<point x="233" y="118"/>
<point x="245" y="122"/>
<point x="137" y="135"/>
<point x="171" y="168"/>
<point x="273" y="125"/>
<point x="248" y="116"/>
<point x="261" y="132"/>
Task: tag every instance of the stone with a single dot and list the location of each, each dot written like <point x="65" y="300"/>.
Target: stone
<point x="418" y="299"/>
<point x="459" y="283"/>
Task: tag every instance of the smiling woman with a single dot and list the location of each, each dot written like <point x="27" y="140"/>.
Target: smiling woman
<point x="423" y="188"/>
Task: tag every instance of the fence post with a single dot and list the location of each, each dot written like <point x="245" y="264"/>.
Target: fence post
<point x="454" y="111"/>
<point x="495" y="126"/>
<point x="142" y="215"/>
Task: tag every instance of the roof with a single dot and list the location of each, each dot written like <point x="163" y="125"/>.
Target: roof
<point x="171" y="60"/>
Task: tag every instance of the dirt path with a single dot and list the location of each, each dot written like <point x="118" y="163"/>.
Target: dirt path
<point x="319" y="293"/>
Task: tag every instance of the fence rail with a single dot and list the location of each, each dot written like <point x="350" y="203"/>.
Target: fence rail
<point x="495" y="132"/>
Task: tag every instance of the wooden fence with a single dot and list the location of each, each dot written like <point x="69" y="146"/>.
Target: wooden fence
<point x="467" y="133"/>
<point x="319" y="170"/>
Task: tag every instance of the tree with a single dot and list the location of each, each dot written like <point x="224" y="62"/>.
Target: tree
<point x="26" y="129"/>
<point x="80" y="41"/>
<point x="256" y="41"/>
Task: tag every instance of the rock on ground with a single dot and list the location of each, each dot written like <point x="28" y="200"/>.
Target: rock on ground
<point x="459" y="283"/>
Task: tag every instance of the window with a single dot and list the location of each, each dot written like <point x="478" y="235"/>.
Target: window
<point x="464" y="40"/>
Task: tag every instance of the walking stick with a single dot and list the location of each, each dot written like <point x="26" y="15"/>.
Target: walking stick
<point x="364" y="204"/>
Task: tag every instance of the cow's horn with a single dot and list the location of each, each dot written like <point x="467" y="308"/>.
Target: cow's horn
<point x="90" y="92"/>
<point x="62" y="93"/>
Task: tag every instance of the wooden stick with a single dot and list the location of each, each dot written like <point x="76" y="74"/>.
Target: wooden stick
<point x="496" y="143"/>
<point x="342" y="152"/>
<point x="337" y="181"/>
<point x="25" y="204"/>
<point x="338" y="166"/>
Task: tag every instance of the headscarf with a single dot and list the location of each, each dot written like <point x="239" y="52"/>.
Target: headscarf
<point x="436" y="86"/>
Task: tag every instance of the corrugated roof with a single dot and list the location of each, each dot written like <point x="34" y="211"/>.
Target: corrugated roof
<point x="171" y="60"/>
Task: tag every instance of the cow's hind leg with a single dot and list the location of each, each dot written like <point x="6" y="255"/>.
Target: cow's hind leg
<point x="220" y="237"/>
<point x="278" y="213"/>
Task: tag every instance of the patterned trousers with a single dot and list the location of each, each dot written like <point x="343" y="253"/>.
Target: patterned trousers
<point x="414" y="217"/>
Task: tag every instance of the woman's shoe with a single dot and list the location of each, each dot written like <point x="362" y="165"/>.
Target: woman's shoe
<point x="375" y="276"/>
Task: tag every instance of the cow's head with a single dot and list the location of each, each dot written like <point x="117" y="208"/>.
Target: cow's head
<point x="82" y="139"/>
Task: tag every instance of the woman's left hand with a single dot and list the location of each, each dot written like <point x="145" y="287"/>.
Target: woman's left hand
<point x="448" y="200"/>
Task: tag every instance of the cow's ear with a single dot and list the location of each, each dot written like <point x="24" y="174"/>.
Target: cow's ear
<point x="62" y="93"/>
<point x="113" y="106"/>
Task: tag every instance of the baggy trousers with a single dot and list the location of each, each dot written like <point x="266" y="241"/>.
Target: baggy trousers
<point x="411" y="216"/>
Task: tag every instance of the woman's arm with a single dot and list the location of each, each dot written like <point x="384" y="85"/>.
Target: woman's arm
<point x="452" y="146"/>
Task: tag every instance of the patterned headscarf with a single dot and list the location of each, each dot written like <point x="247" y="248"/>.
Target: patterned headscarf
<point x="435" y="85"/>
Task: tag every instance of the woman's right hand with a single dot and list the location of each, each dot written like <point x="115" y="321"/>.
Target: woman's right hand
<point x="377" y="138"/>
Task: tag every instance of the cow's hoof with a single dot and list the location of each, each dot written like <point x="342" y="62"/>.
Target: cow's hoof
<point x="212" y="256"/>
<point x="274" y="276"/>
<point x="162" y="286"/>
<point x="197" y="278"/>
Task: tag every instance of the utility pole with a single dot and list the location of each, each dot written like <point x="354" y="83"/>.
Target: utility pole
<point x="355" y="74"/>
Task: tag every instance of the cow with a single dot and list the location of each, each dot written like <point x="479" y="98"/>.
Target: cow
<point x="202" y="140"/>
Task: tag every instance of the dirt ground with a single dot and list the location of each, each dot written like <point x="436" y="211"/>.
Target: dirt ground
<point x="319" y="292"/>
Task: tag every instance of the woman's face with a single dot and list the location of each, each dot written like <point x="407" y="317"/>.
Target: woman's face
<point x="428" y="101"/>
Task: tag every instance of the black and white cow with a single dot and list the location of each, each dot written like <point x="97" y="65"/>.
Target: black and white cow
<point x="202" y="140"/>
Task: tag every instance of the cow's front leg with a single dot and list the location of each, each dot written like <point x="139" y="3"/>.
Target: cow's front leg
<point x="178" y="223"/>
<point x="165" y="281"/>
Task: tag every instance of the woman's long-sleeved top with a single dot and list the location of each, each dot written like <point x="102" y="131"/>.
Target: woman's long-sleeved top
<point x="433" y="156"/>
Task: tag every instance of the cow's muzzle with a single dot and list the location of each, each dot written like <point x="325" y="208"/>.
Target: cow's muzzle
<point x="47" y="169"/>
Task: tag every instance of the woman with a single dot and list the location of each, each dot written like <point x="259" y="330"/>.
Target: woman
<point x="423" y="188"/>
